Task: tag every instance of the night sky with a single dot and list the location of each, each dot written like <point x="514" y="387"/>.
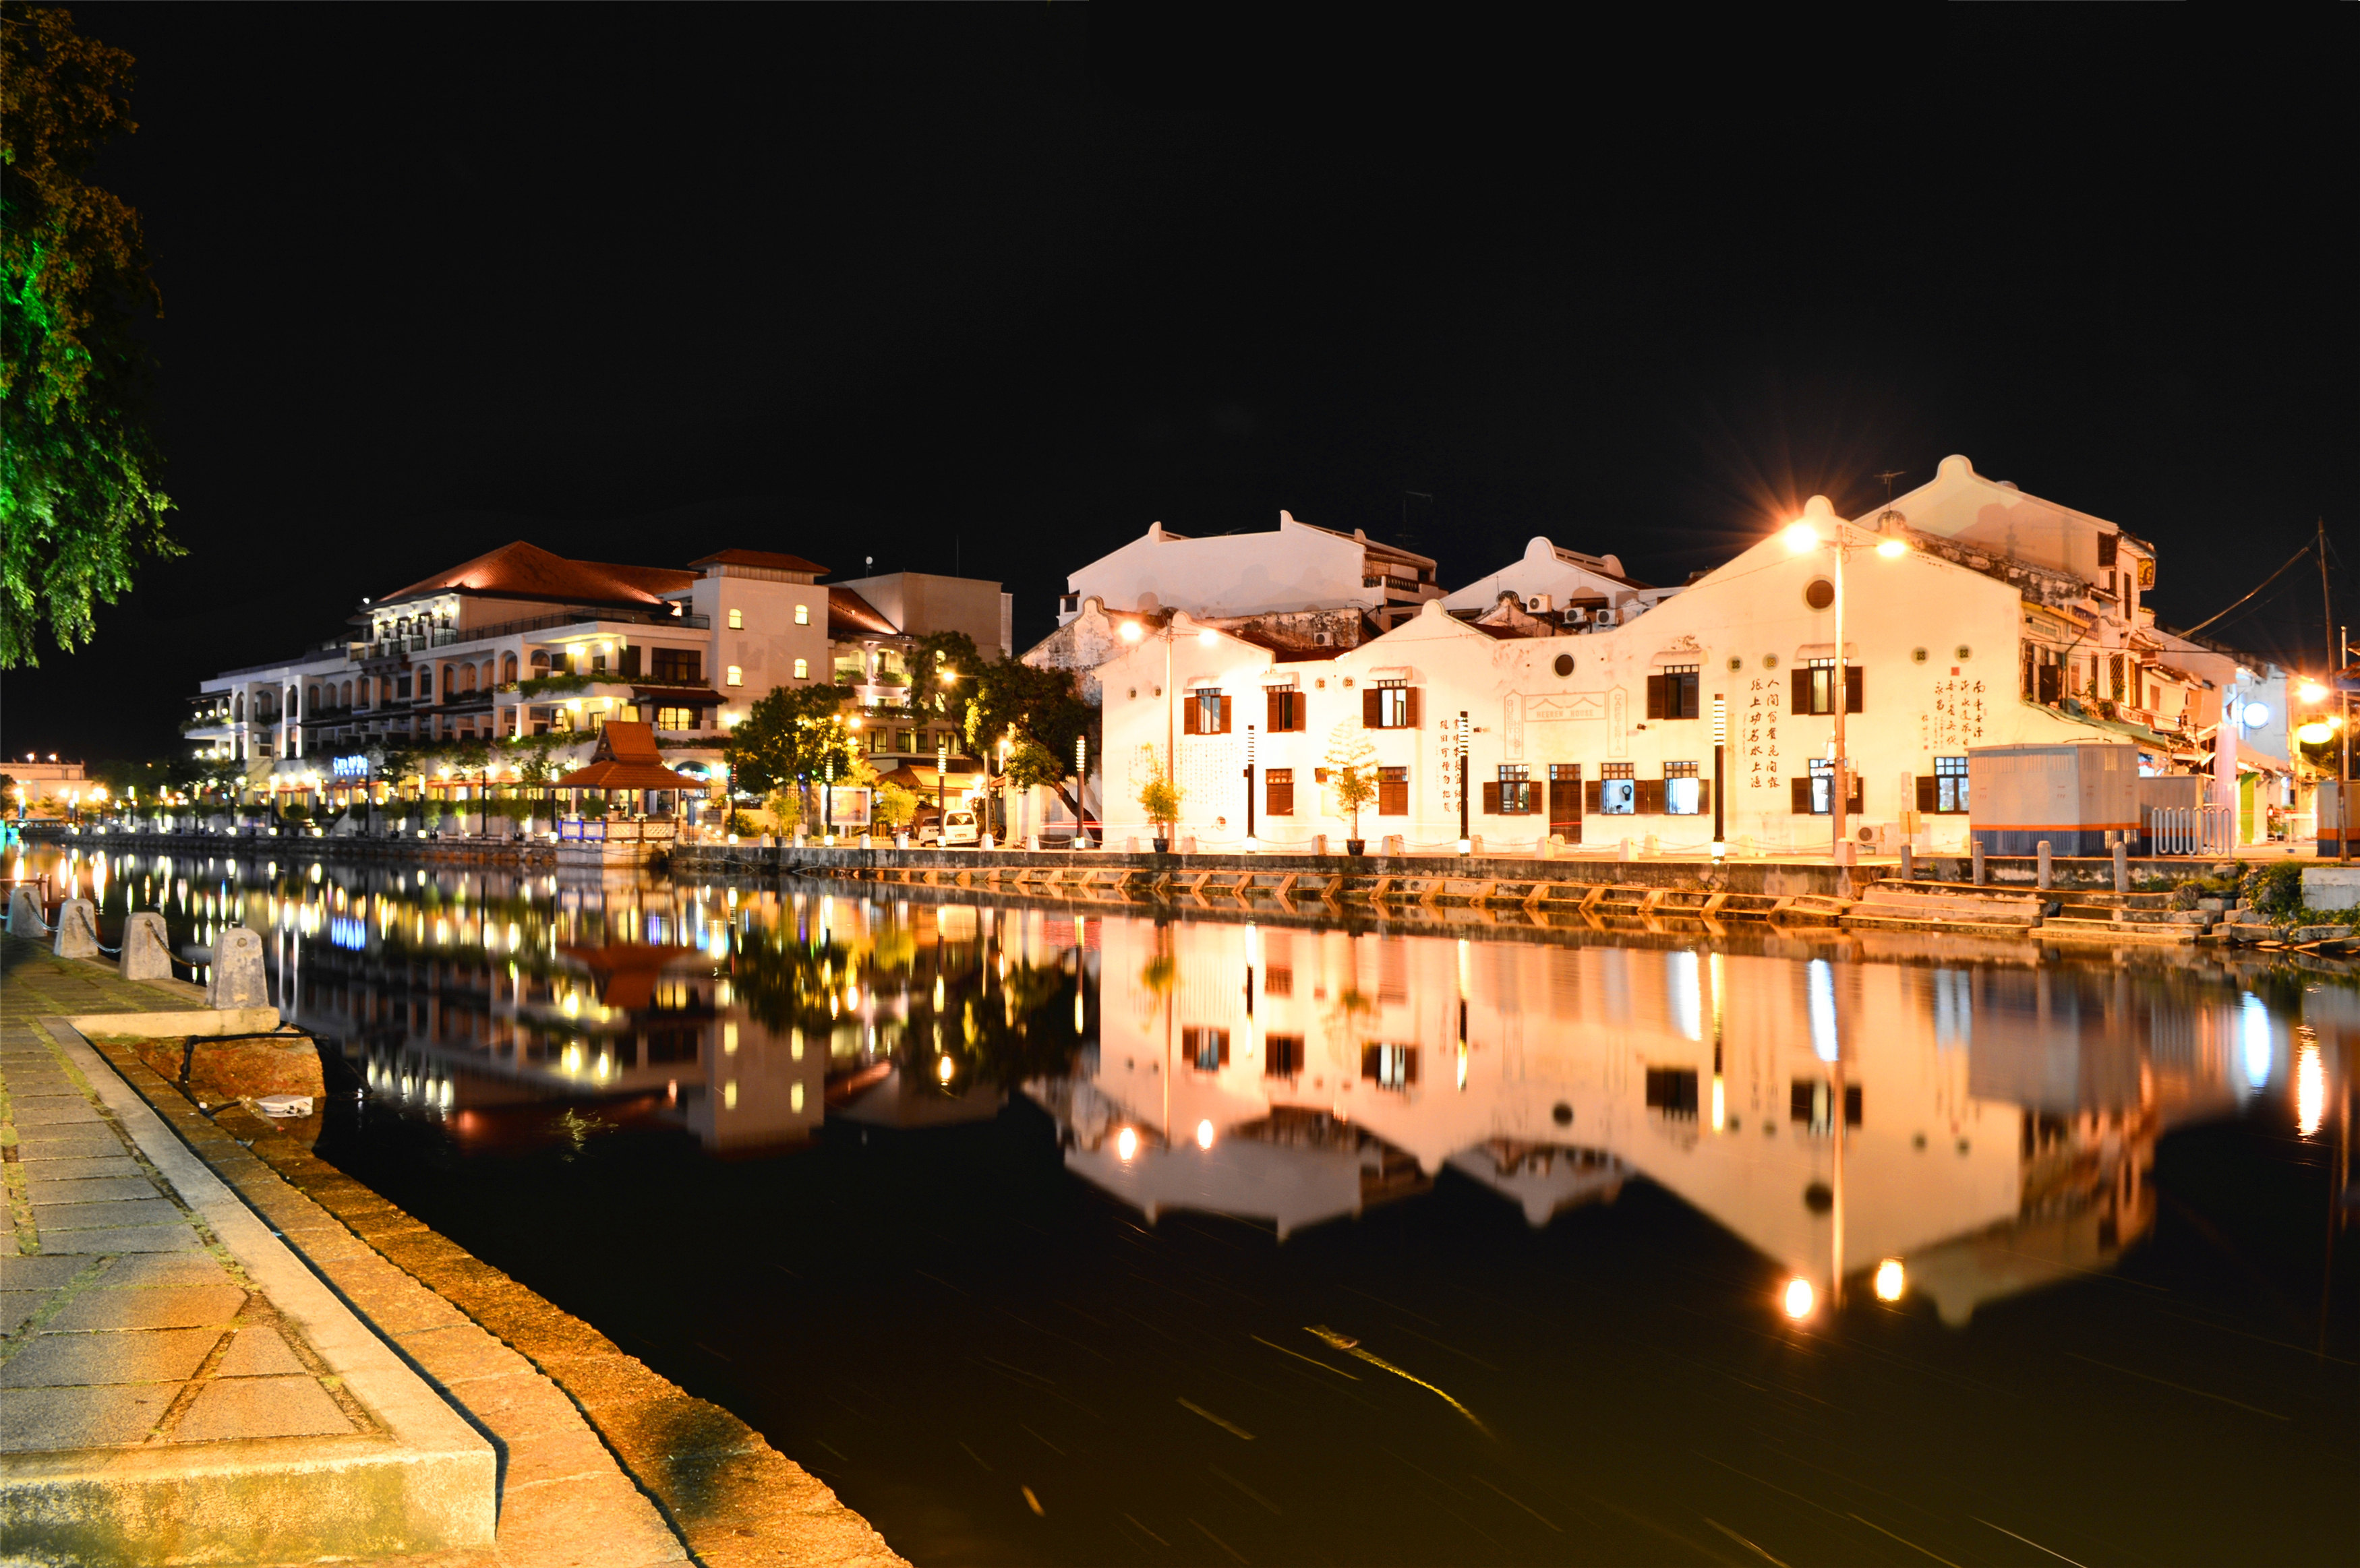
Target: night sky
<point x="997" y="287"/>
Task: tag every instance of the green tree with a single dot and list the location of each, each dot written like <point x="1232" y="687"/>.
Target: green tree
<point x="791" y="733"/>
<point x="80" y="500"/>
<point x="943" y="669"/>
<point x="1351" y="770"/>
<point x="1159" y="798"/>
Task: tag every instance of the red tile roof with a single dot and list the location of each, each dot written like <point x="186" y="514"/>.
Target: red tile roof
<point x="761" y="558"/>
<point x="522" y="570"/>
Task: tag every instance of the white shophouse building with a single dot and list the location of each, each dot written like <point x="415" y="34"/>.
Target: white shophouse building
<point x="1611" y="733"/>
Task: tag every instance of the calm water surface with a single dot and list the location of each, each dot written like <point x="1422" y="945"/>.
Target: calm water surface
<point x="1050" y="1237"/>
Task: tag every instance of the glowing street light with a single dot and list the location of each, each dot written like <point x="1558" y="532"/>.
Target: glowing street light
<point x="1890" y="1281"/>
<point x="1799" y="1299"/>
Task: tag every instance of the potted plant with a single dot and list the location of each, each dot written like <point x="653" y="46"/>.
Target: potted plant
<point x="1160" y="798"/>
<point x="1352" y="775"/>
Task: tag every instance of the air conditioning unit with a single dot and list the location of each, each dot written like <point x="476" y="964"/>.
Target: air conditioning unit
<point x="1538" y="603"/>
<point x="1323" y="639"/>
<point x="1606" y="617"/>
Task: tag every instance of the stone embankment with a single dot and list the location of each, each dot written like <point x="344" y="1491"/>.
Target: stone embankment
<point x="1566" y="892"/>
<point x="148" y="1236"/>
<point x="455" y="850"/>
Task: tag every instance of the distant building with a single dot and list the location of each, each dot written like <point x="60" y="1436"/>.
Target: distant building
<point x="521" y="641"/>
<point x="1549" y="580"/>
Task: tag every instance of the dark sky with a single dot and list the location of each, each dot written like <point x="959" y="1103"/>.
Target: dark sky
<point x="1001" y="286"/>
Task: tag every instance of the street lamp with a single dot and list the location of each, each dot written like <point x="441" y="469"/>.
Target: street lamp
<point x="1800" y="535"/>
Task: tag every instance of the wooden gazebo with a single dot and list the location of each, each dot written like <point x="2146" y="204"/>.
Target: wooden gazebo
<point x="629" y="763"/>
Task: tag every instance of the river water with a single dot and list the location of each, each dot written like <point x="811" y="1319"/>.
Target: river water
<point x="1050" y="1234"/>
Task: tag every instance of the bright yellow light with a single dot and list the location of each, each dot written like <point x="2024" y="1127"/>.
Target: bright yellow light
<point x="1799" y="1299"/>
<point x="2314" y="733"/>
<point x="2310" y="692"/>
<point x="1801" y="536"/>
<point x="944" y="1067"/>
<point x="852" y="722"/>
<point x="1890" y="1281"/>
<point x="1126" y="1143"/>
<point x="2310" y="1089"/>
<point x="1204" y="1135"/>
<point x="1892" y="548"/>
<point x="1130" y="631"/>
<point x="1205" y="637"/>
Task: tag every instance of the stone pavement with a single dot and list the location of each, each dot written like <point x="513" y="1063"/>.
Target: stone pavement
<point x="602" y="1461"/>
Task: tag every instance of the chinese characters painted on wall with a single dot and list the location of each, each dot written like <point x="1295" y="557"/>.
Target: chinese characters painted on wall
<point x="1760" y="735"/>
<point x="1956" y="719"/>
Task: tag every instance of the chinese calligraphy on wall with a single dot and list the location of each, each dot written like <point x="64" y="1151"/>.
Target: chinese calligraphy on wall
<point x="1759" y="735"/>
<point x="1956" y="719"/>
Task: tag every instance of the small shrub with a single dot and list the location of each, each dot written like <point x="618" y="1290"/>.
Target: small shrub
<point x="2275" y="890"/>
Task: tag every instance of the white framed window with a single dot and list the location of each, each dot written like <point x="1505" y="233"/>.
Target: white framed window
<point x="736" y="620"/>
<point x="802" y="614"/>
<point x="738" y="676"/>
<point x="802" y="668"/>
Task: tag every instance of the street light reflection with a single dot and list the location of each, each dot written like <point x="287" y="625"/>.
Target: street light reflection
<point x="1126" y="1144"/>
<point x="1800" y="1298"/>
<point x="1890" y="1281"/>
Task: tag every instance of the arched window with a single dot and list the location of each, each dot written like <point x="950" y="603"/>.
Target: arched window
<point x="348" y="693"/>
<point x="237" y="706"/>
<point x="310" y="699"/>
<point x="466" y="677"/>
<point x="539" y="660"/>
<point x="508" y="667"/>
<point x="489" y="680"/>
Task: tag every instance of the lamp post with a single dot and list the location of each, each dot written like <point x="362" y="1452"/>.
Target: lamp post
<point x="1251" y="846"/>
<point x="1131" y="632"/>
<point x="1081" y="791"/>
<point x="1802" y="535"/>
<point x="1720" y="747"/>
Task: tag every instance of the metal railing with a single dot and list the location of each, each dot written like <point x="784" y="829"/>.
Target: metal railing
<point x="617" y="829"/>
<point x="2192" y="829"/>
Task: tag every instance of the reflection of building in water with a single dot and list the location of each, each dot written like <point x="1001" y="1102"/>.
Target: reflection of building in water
<point x="1290" y="1076"/>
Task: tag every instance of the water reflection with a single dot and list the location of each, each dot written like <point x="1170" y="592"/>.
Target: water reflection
<point x="1999" y="1119"/>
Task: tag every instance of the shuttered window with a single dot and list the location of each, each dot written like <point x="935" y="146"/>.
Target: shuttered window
<point x="1393" y="791"/>
<point x="1944" y="790"/>
<point x="1673" y="1091"/>
<point x="1285" y="710"/>
<point x="1207" y="712"/>
<point x="1205" y="1048"/>
<point x="1617" y="794"/>
<point x="1673" y="692"/>
<point x="1815" y="688"/>
<point x="1811" y="1102"/>
<point x="1390" y="705"/>
<point x="1815" y="795"/>
<point x="1388" y="1066"/>
<point x="1279" y="797"/>
<point x="1518" y="796"/>
<point x="1282" y="1055"/>
<point x="1685" y="794"/>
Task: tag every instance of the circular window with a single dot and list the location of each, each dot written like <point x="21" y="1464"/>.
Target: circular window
<point x="1565" y="664"/>
<point x="1562" y="1114"/>
<point x="1917" y="655"/>
<point x="1820" y="594"/>
<point x="1818" y="1197"/>
<point x="1769" y="662"/>
<point x="1736" y="663"/>
<point x="1965" y="652"/>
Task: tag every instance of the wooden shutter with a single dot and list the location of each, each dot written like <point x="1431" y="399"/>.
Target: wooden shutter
<point x="1801" y="701"/>
<point x="1704" y="796"/>
<point x="1564" y="800"/>
<point x="2107" y="544"/>
<point x="1369" y="707"/>
<point x="1799" y="796"/>
<point x="1926" y="792"/>
<point x="1650" y="793"/>
<point x="631" y="663"/>
<point x="1654" y="696"/>
<point x="1409" y="1065"/>
<point x="1859" y="793"/>
<point x="1281" y="792"/>
<point x="1591" y="792"/>
<point x="1225" y="715"/>
<point x="1492" y="800"/>
<point x="1369" y="1060"/>
<point x="1189" y="708"/>
<point x="1853" y="689"/>
<point x="1412" y="694"/>
<point x="1691" y="687"/>
<point x="2050" y="682"/>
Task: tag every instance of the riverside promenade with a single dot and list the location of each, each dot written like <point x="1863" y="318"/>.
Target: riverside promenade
<point x="217" y="1348"/>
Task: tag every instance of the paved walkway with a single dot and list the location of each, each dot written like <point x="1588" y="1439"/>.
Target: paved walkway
<point x="602" y="1462"/>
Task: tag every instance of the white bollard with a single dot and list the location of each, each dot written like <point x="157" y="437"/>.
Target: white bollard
<point x="901" y="841"/>
<point x="1318" y="843"/>
<point x="146" y="955"/>
<point x="2044" y="864"/>
<point x="1624" y="853"/>
<point x="24" y="913"/>
<point x="2121" y="867"/>
<point x="77" y="929"/>
<point x="1032" y="841"/>
<point x="1475" y="844"/>
<point x="985" y="842"/>
<point x="1979" y="863"/>
<point x="236" y="979"/>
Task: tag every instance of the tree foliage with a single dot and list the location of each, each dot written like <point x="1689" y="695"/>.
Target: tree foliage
<point x="1351" y="770"/>
<point x="79" y="501"/>
<point x="791" y="733"/>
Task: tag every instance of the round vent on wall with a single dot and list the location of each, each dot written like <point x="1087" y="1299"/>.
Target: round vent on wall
<point x="1564" y="664"/>
<point x="1917" y="655"/>
<point x="1769" y="662"/>
<point x="1965" y="653"/>
<point x="1736" y="663"/>
<point x="1819" y="593"/>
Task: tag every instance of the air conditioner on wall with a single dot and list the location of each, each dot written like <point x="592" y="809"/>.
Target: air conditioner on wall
<point x="1605" y="617"/>
<point x="1323" y="639"/>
